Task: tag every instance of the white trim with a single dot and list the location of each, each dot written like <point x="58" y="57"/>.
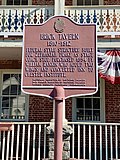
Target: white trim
<point x="74" y="2"/>
<point x="112" y="34"/>
<point x="102" y="96"/>
<point x="74" y="109"/>
<point x="101" y="2"/>
<point x="111" y="44"/>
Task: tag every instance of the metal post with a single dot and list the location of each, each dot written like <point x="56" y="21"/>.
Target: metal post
<point x="59" y="96"/>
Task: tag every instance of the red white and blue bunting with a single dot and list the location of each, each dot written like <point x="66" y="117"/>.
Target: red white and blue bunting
<point x="109" y="66"/>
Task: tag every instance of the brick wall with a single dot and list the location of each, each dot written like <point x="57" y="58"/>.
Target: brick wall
<point x="68" y="109"/>
<point x="10" y="64"/>
<point x="41" y="109"/>
<point x="49" y="2"/>
<point x="42" y="2"/>
<point x="112" y="2"/>
<point x="112" y="102"/>
<point x="69" y="2"/>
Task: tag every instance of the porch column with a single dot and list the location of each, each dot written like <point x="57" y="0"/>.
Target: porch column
<point x="59" y="7"/>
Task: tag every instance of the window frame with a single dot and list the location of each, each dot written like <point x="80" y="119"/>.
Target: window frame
<point x="102" y="105"/>
<point x="12" y="71"/>
<point x="74" y="2"/>
<point x="4" y="3"/>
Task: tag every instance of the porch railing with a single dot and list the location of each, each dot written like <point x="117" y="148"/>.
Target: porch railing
<point x="107" y="18"/>
<point x="93" y="141"/>
<point x="26" y="141"/>
<point x="12" y="19"/>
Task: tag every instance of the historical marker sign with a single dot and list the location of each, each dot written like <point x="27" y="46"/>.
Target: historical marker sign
<point x="59" y="53"/>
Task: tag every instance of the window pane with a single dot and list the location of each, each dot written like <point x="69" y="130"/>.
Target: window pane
<point x="5" y="102"/>
<point x="19" y="90"/>
<point x="80" y="103"/>
<point x="21" y="102"/>
<point x="87" y="2"/>
<point x="13" y="102"/>
<point x="16" y="2"/>
<point x="9" y="2"/>
<point x="96" y="114"/>
<point x="19" y="80"/>
<point x="24" y="2"/>
<point x="88" y="115"/>
<point x="6" y="78"/>
<point x="5" y="113"/>
<point x="80" y="115"/>
<point x="80" y="2"/>
<point x="17" y="113"/>
<point x="88" y="103"/>
<point x="96" y="103"/>
<point x="15" y="79"/>
<point x="13" y="90"/>
<point x="95" y="2"/>
<point x="6" y="90"/>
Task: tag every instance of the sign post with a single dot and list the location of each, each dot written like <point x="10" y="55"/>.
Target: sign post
<point x="59" y="61"/>
<point x="58" y="145"/>
<point x="59" y="102"/>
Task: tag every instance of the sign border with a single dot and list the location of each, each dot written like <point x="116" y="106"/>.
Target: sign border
<point x="65" y="87"/>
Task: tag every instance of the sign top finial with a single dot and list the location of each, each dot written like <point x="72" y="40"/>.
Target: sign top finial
<point x="59" y="25"/>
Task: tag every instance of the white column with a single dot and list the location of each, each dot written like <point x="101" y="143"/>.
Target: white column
<point x="59" y="7"/>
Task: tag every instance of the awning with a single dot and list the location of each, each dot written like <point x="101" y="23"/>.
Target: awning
<point x="109" y="66"/>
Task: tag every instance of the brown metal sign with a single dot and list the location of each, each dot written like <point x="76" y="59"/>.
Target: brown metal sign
<point x="59" y="53"/>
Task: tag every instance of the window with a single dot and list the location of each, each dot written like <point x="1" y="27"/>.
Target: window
<point x="90" y="108"/>
<point x="87" y="2"/>
<point x="17" y="2"/>
<point x="13" y="101"/>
